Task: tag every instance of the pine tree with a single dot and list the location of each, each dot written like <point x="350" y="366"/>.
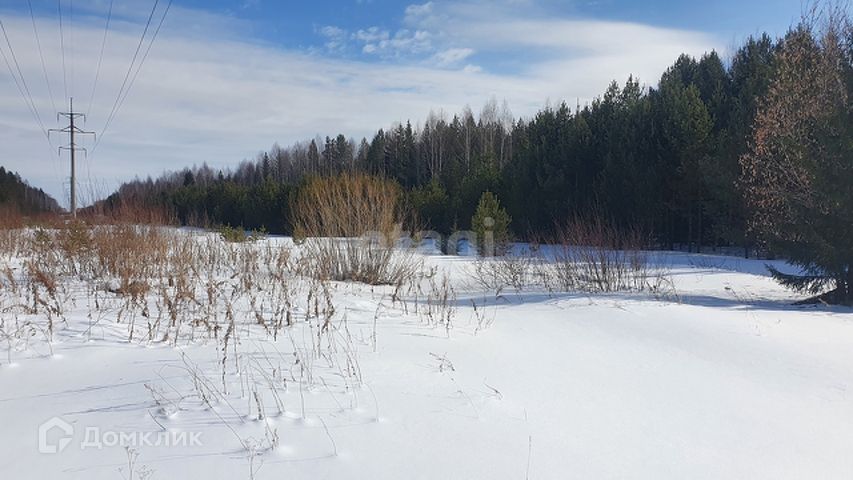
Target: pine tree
<point x="685" y="132"/>
<point x="265" y="167"/>
<point x="799" y="172"/>
<point x="431" y="204"/>
<point x="491" y="224"/>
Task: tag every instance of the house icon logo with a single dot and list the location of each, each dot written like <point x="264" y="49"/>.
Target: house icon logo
<point x="55" y="435"/>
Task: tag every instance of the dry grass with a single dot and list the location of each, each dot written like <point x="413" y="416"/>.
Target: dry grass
<point x="592" y="256"/>
<point x="350" y="226"/>
<point x="10" y="218"/>
<point x="281" y="341"/>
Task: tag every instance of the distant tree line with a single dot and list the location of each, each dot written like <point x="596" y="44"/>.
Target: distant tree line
<point x="664" y="158"/>
<point x="19" y="197"/>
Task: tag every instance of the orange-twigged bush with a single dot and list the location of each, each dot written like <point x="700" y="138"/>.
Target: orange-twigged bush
<point x="350" y="225"/>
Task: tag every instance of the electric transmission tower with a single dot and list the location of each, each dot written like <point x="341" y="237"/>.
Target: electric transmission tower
<point x="72" y="147"/>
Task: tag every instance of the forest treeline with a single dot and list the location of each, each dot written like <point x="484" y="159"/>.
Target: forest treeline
<point x="18" y="197"/>
<point x="663" y="158"/>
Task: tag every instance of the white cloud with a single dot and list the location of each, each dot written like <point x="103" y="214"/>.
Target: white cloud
<point x="417" y="11"/>
<point x="404" y="43"/>
<point x="330" y="31"/>
<point x="516" y="26"/>
<point x="452" y="56"/>
<point x="372" y="34"/>
<point x="336" y="38"/>
<point x="208" y="95"/>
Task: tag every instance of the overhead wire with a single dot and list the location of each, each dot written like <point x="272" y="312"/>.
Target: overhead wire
<point x="41" y="56"/>
<point x="62" y="48"/>
<point x="71" y="47"/>
<point x="66" y="41"/>
<point x="147" y="51"/>
<point x="127" y="75"/>
<point x="100" y="58"/>
<point x="23" y="88"/>
<point x="120" y="99"/>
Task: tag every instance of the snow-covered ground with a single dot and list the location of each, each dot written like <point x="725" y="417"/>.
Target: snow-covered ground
<point x="721" y="378"/>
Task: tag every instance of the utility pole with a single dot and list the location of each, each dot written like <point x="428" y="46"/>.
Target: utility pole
<point x="72" y="130"/>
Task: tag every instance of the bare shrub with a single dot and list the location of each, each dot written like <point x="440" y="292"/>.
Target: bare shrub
<point x="596" y="256"/>
<point x="517" y="271"/>
<point x="350" y="225"/>
<point x="239" y="235"/>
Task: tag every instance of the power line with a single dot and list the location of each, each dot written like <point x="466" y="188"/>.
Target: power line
<point x="129" y="71"/>
<point x="41" y="56"/>
<point x="71" y="34"/>
<point x="100" y="58"/>
<point x="25" y="91"/>
<point x="62" y="48"/>
<point x="20" y="89"/>
<point x="147" y="51"/>
<point x="122" y="94"/>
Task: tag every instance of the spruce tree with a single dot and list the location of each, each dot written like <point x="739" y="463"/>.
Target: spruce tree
<point x="491" y="224"/>
<point x="798" y="174"/>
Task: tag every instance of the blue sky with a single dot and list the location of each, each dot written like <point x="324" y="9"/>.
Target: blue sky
<point x="227" y="78"/>
<point x="296" y="24"/>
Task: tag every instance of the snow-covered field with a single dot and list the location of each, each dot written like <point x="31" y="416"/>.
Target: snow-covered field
<point x="720" y="378"/>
